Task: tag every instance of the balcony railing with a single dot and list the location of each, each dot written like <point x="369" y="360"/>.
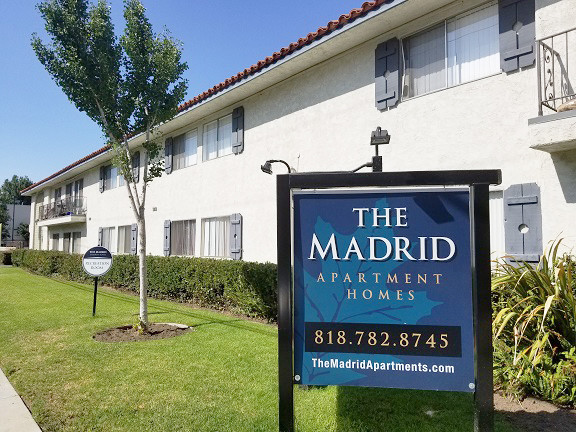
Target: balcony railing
<point x="556" y="57"/>
<point x="69" y="206"/>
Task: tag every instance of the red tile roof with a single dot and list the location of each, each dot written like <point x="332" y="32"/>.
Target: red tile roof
<point x="69" y="167"/>
<point x="257" y="67"/>
<point x="286" y="51"/>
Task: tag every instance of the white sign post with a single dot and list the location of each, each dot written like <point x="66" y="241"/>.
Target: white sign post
<point x="96" y="262"/>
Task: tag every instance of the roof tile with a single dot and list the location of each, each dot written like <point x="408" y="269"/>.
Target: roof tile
<point x="283" y="52"/>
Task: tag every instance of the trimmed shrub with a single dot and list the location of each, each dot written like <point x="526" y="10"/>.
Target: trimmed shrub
<point x="534" y="328"/>
<point x="242" y="287"/>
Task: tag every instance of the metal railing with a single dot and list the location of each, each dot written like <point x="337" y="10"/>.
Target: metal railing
<point x="69" y="206"/>
<point x="556" y="71"/>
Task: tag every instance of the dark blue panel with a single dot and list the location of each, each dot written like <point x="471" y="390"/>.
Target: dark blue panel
<point x="416" y="310"/>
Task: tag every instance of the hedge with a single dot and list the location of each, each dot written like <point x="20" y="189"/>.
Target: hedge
<point x="243" y="287"/>
<point x="6" y="257"/>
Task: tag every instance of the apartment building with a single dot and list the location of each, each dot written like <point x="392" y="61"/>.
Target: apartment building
<point x="462" y="84"/>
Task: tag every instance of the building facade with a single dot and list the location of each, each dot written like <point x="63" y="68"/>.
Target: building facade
<point x="457" y="84"/>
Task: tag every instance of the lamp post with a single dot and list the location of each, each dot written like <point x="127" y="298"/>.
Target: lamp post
<point x="13" y="216"/>
<point x="267" y="167"/>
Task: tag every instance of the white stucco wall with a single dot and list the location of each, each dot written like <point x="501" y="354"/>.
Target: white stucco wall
<point x="554" y="16"/>
<point x="322" y="118"/>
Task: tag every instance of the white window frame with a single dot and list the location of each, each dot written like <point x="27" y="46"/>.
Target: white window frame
<point x="445" y="23"/>
<point x="66" y="242"/>
<point x="109" y="238"/>
<point x="185" y="150"/>
<point x="75" y="242"/>
<point x="178" y="246"/>
<point x="124" y="239"/>
<point x="110" y="177"/>
<point x="223" y="142"/>
<point x="211" y="245"/>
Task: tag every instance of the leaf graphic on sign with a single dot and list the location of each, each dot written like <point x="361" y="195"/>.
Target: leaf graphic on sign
<point x="357" y="291"/>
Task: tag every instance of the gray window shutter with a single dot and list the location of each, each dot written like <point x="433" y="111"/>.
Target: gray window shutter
<point x="99" y="236"/>
<point x="517" y="34"/>
<point x="168" y="155"/>
<point x="236" y="236"/>
<point x="136" y="166"/>
<point x="238" y="130"/>
<point x="101" y="179"/>
<point x="134" y="240"/>
<point x="167" y="225"/>
<point x="387" y="74"/>
<point x="523" y="222"/>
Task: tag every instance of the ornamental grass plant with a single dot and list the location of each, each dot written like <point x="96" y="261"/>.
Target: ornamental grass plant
<point x="534" y="327"/>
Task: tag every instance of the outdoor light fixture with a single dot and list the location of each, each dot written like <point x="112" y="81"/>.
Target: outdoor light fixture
<point x="378" y="137"/>
<point x="267" y="167"/>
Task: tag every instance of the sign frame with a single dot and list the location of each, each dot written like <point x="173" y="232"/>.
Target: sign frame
<point x="108" y="254"/>
<point x="478" y="182"/>
<point x="103" y="250"/>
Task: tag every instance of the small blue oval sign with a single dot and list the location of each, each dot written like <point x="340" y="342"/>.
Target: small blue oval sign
<point x="97" y="261"/>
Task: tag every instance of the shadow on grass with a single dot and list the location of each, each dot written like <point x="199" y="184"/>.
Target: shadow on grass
<point x="237" y="323"/>
<point x="362" y="409"/>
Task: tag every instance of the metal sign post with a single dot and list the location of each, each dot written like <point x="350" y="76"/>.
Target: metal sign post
<point x="375" y="278"/>
<point x="97" y="261"/>
<point x="95" y="294"/>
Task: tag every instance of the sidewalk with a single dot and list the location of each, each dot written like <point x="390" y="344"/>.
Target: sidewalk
<point x="14" y="415"/>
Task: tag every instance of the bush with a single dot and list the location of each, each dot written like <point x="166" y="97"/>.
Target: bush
<point x="534" y="328"/>
<point x="247" y="288"/>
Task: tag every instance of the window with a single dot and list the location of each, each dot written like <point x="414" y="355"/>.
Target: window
<point x="185" y="150"/>
<point x="75" y="189"/>
<point x="124" y="239"/>
<point x="459" y="50"/>
<point x="40" y="238"/>
<point x="109" y="238"/>
<point x="57" y="194"/>
<point x="182" y="237"/>
<point x="217" y="140"/>
<point x="215" y="237"/>
<point x="55" y="242"/>
<point x="76" y="236"/>
<point x="66" y="244"/>
<point x="110" y="177"/>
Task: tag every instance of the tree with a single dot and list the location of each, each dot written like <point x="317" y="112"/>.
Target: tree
<point x="127" y="85"/>
<point x="4" y="219"/>
<point x="10" y="190"/>
<point x="9" y="195"/>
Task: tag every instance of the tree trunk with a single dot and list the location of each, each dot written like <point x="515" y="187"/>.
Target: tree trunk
<point x="143" y="272"/>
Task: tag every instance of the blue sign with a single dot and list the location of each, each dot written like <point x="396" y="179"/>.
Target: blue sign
<point x="383" y="289"/>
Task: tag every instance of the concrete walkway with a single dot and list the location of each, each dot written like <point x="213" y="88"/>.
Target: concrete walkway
<point x="14" y="415"/>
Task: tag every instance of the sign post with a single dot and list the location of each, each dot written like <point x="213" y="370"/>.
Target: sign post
<point x="384" y="287"/>
<point x="96" y="262"/>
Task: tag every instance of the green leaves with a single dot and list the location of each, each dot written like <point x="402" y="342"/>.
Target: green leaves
<point x="534" y="324"/>
<point x="153" y="69"/>
<point x="84" y="59"/>
<point x="127" y="85"/>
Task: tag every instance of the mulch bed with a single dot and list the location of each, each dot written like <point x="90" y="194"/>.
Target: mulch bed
<point x="129" y="333"/>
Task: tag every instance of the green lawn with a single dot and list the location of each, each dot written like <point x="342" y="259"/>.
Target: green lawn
<point x="220" y="377"/>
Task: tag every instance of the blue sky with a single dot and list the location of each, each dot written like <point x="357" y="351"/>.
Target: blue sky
<point x="42" y="132"/>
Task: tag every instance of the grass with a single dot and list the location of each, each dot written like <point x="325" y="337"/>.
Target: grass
<point x="220" y="377"/>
